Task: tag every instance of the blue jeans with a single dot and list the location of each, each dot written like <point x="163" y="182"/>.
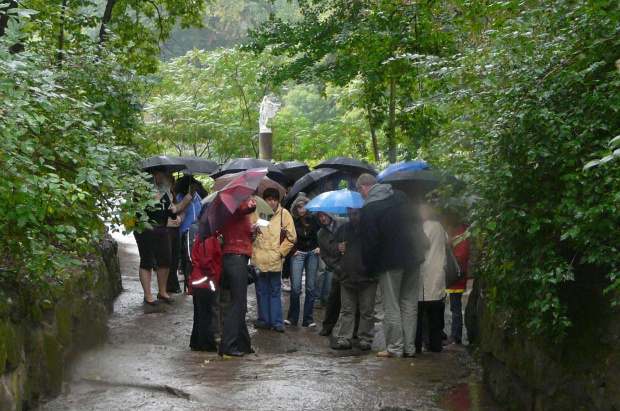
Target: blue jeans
<point x="323" y="282"/>
<point x="310" y="262"/>
<point x="268" y="296"/>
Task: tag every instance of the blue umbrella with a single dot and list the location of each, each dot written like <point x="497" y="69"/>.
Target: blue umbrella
<point x="403" y="166"/>
<point x="335" y="202"/>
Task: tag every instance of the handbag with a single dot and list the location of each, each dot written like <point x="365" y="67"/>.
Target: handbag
<point x="284" y="237"/>
<point x="452" y="268"/>
<point x="253" y="274"/>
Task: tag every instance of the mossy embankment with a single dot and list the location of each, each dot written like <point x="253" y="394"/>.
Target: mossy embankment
<point x="37" y="340"/>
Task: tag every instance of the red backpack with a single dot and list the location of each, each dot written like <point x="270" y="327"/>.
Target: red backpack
<point x="207" y="260"/>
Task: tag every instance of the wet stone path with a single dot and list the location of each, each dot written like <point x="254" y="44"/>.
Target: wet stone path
<point x="145" y="364"/>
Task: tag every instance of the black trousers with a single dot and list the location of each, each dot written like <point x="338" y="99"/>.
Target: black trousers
<point x="175" y="245"/>
<point x="202" y="338"/>
<point x="435" y="312"/>
<point x="332" y="310"/>
<point x="235" y="335"/>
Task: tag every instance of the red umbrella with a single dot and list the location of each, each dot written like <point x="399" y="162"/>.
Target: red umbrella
<point x="265" y="183"/>
<point x="228" y="199"/>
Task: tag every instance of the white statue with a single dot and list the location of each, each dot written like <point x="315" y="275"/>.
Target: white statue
<point x="268" y="109"/>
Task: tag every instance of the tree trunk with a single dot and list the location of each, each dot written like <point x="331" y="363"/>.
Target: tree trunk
<point x="61" y="35"/>
<point x="373" y="133"/>
<point x="107" y="16"/>
<point x="391" y="133"/>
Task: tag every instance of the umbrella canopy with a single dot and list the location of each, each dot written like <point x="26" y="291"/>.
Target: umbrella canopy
<point x="349" y="165"/>
<point x="265" y="183"/>
<point x="228" y="199"/>
<point x="293" y="170"/>
<point x="420" y="182"/>
<point x="336" y="202"/>
<point x="311" y="180"/>
<point x="402" y="166"/>
<point x="162" y="163"/>
<point x="261" y="205"/>
<point x="241" y="164"/>
<point x="197" y="165"/>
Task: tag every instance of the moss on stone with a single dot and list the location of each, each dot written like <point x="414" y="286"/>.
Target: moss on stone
<point x="54" y="359"/>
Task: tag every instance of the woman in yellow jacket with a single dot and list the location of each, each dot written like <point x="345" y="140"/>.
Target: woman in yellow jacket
<point x="267" y="255"/>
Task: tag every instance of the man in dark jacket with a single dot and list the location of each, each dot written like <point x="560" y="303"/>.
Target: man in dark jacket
<point x="357" y="289"/>
<point x="393" y="246"/>
<point x="330" y="256"/>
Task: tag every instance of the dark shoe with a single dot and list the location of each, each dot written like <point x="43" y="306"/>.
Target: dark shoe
<point x="167" y="300"/>
<point x="387" y="354"/>
<point x="365" y="347"/>
<point x="290" y="322"/>
<point x="312" y="324"/>
<point x="409" y="355"/>
<point x="262" y="326"/>
<point x="279" y="329"/>
<point x="153" y="303"/>
<point x="231" y="354"/>
<point x="250" y="351"/>
<point x="339" y="346"/>
<point x="325" y="333"/>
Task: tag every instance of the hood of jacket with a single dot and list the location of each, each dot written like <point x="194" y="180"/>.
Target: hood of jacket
<point x="332" y="221"/>
<point x="379" y="192"/>
<point x="297" y="201"/>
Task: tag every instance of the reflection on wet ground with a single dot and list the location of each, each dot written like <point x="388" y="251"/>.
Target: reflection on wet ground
<point x="145" y="363"/>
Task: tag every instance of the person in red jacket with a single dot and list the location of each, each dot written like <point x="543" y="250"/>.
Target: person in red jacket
<point x="237" y="233"/>
<point x="461" y="249"/>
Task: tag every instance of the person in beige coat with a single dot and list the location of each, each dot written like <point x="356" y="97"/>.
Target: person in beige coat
<point x="267" y="256"/>
<point x="432" y="282"/>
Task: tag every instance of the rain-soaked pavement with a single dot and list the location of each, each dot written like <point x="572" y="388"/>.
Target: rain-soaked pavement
<point x="145" y="363"/>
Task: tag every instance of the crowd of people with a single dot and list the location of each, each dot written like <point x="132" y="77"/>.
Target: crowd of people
<point x="391" y="250"/>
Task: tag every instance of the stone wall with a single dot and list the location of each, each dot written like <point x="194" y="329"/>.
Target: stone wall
<point x="34" y="353"/>
<point x="583" y="373"/>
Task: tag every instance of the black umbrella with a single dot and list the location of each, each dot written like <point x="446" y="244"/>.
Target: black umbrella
<point x="242" y="164"/>
<point x="315" y="181"/>
<point x="293" y="170"/>
<point x="198" y="165"/>
<point x="162" y="163"/>
<point x="349" y="165"/>
<point x="420" y="182"/>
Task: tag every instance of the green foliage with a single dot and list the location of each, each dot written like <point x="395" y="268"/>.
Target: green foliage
<point x="134" y="27"/>
<point x="383" y="45"/>
<point x="207" y="104"/>
<point x="67" y="133"/>
<point x="535" y="98"/>
<point x="315" y="124"/>
<point x="226" y="25"/>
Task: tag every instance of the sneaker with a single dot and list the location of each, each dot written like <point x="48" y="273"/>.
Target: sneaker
<point x="279" y="329"/>
<point x="287" y="322"/>
<point x="313" y="324"/>
<point x="447" y="342"/>
<point x="325" y="332"/>
<point x="365" y="347"/>
<point x="339" y="346"/>
<point x="286" y="285"/>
